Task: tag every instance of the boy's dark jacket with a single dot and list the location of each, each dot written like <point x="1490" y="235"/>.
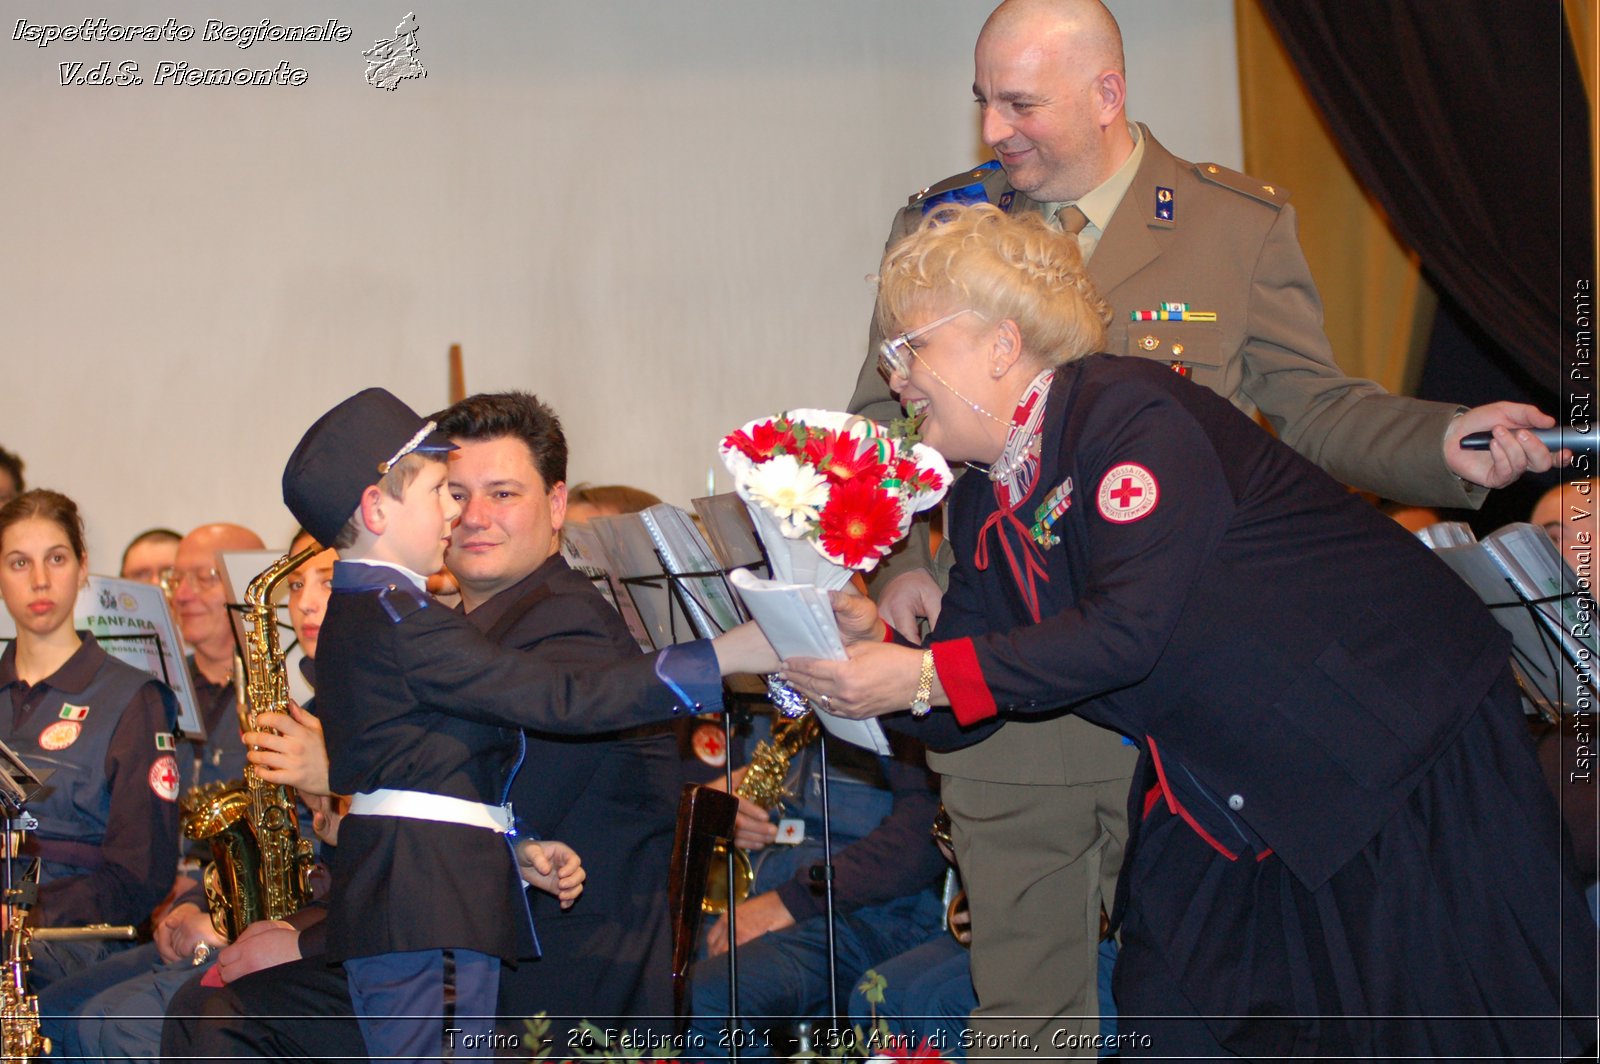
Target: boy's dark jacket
<point x="413" y="697"/>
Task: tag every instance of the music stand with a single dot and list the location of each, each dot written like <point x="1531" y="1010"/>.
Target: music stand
<point x="733" y="537"/>
<point x="666" y="579"/>
<point x="18" y="782"/>
<point x="1531" y="592"/>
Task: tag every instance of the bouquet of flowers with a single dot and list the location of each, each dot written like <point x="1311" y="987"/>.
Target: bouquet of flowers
<point x="830" y="493"/>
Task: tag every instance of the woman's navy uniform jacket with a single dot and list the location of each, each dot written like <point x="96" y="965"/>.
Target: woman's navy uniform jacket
<point x="1214" y="592"/>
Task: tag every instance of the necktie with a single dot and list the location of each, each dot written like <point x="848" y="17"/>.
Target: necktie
<point x="1071" y="219"/>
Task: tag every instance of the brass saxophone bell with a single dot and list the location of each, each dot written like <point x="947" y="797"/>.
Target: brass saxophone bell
<point x="961" y="932"/>
<point x="763" y="784"/>
<point x="715" y="901"/>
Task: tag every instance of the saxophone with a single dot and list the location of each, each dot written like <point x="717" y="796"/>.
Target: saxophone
<point x="20" y="1039"/>
<point x="260" y="865"/>
<point x="763" y="784"/>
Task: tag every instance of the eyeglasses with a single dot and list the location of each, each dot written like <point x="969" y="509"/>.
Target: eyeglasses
<point x="895" y="353"/>
<point x="201" y="580"/>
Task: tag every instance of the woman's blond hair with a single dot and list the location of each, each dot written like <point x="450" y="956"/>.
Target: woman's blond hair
<point x="1002" y="266"/>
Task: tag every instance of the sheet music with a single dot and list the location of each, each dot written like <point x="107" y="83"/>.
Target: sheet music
<point x="1447" y="534"/>
<point x="580" y="545"/>
<point x="626" y="542"/>
<point x="1534" y="566"/>
<point x="1550" y="679"/>
<point x="798" y="621"/>
<point x="705" y="607"/>
<point x="711" y="605"/>
<point x="729" y="531"/>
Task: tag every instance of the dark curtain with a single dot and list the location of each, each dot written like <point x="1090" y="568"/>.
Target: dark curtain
<point x="1467" y="121"/>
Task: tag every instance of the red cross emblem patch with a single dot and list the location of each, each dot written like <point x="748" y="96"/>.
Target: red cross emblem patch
<point x="164" y="778"/>
<point x="1127" y="493"/>
<point x="708" y="745"/>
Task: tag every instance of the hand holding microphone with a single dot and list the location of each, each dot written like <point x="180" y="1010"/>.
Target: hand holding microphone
<point x="1577" y="440"/>
<point x="1492" y="445"/>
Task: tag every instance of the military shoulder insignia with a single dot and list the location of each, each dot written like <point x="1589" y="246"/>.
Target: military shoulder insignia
<point x="164" y="778"/>
<point x="72" y="712"/>
<point x="60" y="735"/>
<point x="1242" y="183"/>
<point x="1127" y="493"/>
<point x="971" y="186"/>
<point x="1058" y="502"/>
<point x="401" y="601"/>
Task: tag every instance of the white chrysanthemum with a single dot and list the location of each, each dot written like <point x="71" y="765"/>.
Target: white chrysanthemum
<point x="789" y="491"/>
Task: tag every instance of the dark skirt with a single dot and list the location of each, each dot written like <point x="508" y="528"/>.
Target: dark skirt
<point x="1459" y="932"/>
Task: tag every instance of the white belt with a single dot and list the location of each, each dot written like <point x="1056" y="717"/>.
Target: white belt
<point x="420" y="805"/>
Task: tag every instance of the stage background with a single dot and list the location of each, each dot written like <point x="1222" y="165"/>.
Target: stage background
<point x="658" y="216"/>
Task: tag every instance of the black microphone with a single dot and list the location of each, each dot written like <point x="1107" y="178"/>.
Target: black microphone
<point x="1585" y="441"/>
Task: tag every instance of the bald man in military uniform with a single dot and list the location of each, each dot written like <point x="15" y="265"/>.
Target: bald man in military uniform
<point x="1209" y="260"/>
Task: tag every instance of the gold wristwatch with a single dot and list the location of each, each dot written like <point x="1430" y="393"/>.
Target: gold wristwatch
<point x="924" y="695"/>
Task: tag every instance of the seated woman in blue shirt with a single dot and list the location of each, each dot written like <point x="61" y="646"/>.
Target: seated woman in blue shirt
<point x="98" y="730"/>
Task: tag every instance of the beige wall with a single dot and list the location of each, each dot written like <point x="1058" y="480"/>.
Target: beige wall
<point x="658" y="215"/>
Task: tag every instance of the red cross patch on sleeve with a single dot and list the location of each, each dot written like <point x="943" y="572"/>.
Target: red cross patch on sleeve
<point x="1127" y="493"/>
<point x="164" y="778"/>
<point x="708" y="745"/>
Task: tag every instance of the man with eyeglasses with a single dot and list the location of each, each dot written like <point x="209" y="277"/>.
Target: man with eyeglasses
<point x="1204" y="272"/>
<point x="198" y="598"/>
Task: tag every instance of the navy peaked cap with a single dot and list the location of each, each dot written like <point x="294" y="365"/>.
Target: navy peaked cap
<point x="348" y="450"/>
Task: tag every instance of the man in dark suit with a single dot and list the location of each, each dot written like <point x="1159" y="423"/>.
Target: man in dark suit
<point x="1155" y="230"/>
<point x="612" y="798"/>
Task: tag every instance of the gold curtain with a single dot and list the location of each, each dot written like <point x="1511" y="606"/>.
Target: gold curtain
<point x="1581" y="24"/>
<point x="1379" y="309"/>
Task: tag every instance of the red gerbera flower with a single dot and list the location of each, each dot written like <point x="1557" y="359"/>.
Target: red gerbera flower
<point x="761" y="442"/>
<point x="860" y="521"/>
<point x="841" y="457"/>
<point x="923" y="1054"/>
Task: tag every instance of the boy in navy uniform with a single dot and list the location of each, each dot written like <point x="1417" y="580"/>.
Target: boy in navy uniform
<point x="423" y="727"/>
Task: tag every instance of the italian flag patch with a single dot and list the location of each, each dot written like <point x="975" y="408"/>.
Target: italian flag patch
<point x="72" y="712"/>
<point x="164" y="741"/>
